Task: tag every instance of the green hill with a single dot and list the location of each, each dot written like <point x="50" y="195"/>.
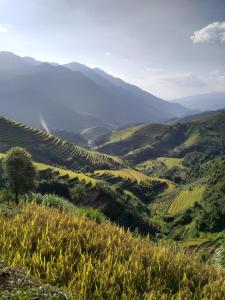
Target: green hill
<point x="139" y="137"/>
<point x="144" y="142"/>
<point x="50" y="149"/>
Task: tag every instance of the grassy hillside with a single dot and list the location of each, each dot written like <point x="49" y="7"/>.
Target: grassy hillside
<point x="93" y="132"/>
<point x="146" y="142"/>
<point x="91" y="261"/>
<point x="50" y="149"/>
<point x="150" y="137"/>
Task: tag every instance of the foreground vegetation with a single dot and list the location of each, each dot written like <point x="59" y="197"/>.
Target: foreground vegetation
<point x="92" y="261"/>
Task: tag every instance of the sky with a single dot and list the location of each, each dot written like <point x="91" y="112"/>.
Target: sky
<point x="171" y="48"/>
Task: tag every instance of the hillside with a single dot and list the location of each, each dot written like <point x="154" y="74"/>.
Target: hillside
<point x="144" y="142"/>
<point x="68" y="98"/>
<point x="121" y="206"/>
<point x="93" y="132"/>
<point x="103" y="261"/>
<point x="193" y="117"/>
<point x="71" y="137"/>
<point x="50" y="149"/>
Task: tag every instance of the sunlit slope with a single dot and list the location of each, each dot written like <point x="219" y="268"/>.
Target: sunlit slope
<point x="50" y="149"/>
<point x="132" y="175"/>
<point x="137" y="137"/>
<point x="146" y="142"/>
<point x="186" y="198"/>
<point x="103" y="261"/>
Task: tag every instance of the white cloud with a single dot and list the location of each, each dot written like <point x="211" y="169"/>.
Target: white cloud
<point x="154" y="70"/>
<point x="184" y="79"/>
<point x="3" y="28"/>
<point x="214" y="32"/>
<point x="168" y="84"/>
<point x="108" y="53"/>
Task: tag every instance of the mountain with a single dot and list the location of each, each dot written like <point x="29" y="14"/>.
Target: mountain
<point x="204" y="102"/>
<point x="147" y="141"/>
<point x="74" y="97"/>
<point x="138" y="100"/>
<point x="194" y="117"/>
<point x="28" y="92"/>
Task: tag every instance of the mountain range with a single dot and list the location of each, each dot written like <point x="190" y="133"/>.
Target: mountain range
<point x="203" y="102"/>
<point x="74" y="97"/>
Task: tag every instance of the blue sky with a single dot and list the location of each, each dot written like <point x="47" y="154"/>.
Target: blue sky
<point x="171" y="48"/>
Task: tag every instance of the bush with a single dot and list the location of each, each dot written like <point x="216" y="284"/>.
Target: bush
<point x="78" y="195"/>
<point x="56" y="186"/>
<point x="6" y="195"/>
<point x="66" y="206"/>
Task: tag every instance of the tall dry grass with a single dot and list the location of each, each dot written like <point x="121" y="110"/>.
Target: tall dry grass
<point x="102" y="261"/>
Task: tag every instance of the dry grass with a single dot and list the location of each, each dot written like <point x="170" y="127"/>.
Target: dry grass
<point x="102" y="261"/>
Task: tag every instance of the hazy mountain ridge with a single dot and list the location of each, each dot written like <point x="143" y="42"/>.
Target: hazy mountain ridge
<point x="203" y="102"/>
<point x="29" y="88"/>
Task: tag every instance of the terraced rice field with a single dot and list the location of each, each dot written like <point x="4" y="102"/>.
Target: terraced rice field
<point x="172" y="162"/>
<point x="123" y="134"/>
<point x="132" y="175"/>
<point x="186" y="199"/>
<point x="64" y="172"/>
<point x="161" y="204"/>
<point x="203" y="245"/>
<point x="41" y="144"/>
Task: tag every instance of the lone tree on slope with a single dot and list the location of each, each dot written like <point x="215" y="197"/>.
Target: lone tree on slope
<point x="20" y="171"/>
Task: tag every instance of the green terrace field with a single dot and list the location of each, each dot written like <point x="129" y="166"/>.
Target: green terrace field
<point x="169" y="162"/>
<point x="118" y="136"/>
<point x="186" y="198"/>
<point x="80" y="177"/>
<point x="133" y="175"/>
<point x="49" y="149"/>
<point x="172" y="162"/>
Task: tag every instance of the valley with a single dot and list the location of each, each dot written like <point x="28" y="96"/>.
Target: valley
<point x="107" y="191"/>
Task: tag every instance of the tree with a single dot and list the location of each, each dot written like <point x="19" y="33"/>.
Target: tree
<point x="19" y="171"/>
<point x="78" y="195"/>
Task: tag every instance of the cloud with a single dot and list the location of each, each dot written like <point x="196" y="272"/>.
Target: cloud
<point x="108" y="53"/>
<point x="3" y="28"/>
<point x="184" y="80"/>
<point x="214" y="32"/>
<point x="154" y="70"/>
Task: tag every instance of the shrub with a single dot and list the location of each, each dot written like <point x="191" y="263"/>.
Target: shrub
<point x="66" y="206"/>
<point x="78" y="195"/>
